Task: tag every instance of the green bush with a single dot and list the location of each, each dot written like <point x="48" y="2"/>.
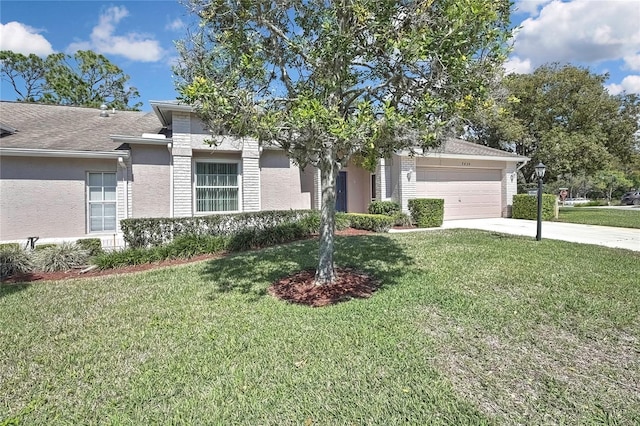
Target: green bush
<point x="126" y="257"/>
<point x="343" y="221"/>
<point x="146" y="232"/>
<point x="526" y="207"/>
<point x="14" y="260"/>
<point x="92" y="245"/>
<point x="592" y="203"/>
<point x="401" y="219"/>
<point x="427" y="212"/>
<point x="311" y="222"/>
<point x="60" y="257"/>
<point x="186" y="246"/>
<point x="12" y="246"/>
<point x="45" y="246"/>
<point x="370" y="222"/>
<point x="388" y="208"/>
<point x="257" y="238"/>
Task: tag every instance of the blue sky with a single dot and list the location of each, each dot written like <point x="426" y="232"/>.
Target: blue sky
<point x="138" y="36"/>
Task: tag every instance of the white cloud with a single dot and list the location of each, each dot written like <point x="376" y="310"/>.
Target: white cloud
<point x="632" y="62"/>
<point x="629" y="84"/>
<point x="133" y="46"/>
<point x="580" y="32"/>
<point x="21" y="38"/>
<point x="175" y="25"/>
<point x="518" y="66"/>
<point x="530" y="7"/>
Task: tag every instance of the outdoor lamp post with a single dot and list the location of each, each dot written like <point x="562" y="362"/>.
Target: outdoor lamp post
<point x="540" y="169"/>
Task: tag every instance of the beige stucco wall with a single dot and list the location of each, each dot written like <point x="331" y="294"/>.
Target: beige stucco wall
<point x="151" y="181"/>
<point x="283" y="185"/>
<point x="45" y="197"/>
<point x="358" y="189"/>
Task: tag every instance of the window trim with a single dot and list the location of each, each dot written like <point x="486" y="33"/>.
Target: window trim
<point x="194" y="185"/>
<point x="88" y="202"/>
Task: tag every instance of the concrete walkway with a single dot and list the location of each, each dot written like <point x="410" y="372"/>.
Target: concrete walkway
<point x="607" y="236"/>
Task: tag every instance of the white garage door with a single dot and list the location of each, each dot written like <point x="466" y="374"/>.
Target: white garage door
<point x="467" y="193"/>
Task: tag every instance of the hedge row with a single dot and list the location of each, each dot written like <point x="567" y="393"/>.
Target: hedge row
<point x="526" y="207"/>
<point x="186" y="246"/>
<point x="153" y="232"/>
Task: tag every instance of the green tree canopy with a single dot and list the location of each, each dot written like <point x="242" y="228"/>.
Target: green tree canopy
<point x="84" y="78"/>
<point x="564" y="117"/>
<point x="334" y="81"/>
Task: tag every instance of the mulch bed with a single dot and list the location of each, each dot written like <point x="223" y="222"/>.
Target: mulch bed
<point x="300" y="287"/>
<point x="297" y="288"/>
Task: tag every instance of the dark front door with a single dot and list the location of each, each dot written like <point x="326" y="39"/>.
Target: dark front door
<point x="341" y="192"/>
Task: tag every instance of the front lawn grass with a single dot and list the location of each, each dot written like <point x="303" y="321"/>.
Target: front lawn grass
<point x="468" y="328"/>
<point x="600" y="216"/>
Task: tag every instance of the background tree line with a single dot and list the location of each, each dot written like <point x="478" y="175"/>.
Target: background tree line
<point x="82" y="79"/>
<point x="564" y="117"/>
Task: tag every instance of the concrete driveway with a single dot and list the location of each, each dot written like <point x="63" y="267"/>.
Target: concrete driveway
<point x="625" y="238"/>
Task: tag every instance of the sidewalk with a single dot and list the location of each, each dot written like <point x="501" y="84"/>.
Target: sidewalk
<point x="625" y="238"/>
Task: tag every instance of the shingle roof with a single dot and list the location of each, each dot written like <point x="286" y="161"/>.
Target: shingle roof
<point x="41" y="126"/>
<point x="460" y="147"/>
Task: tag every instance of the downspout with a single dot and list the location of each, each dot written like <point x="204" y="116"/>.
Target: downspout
<point x="169" y="146"/>
<point x="524" y="163"/>
<point x="125" y="181"/>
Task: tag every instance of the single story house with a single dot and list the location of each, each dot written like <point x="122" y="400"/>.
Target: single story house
<point x="73" y="172"/>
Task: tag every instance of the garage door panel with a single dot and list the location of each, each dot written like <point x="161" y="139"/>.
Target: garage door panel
<point x="467" y="193"/>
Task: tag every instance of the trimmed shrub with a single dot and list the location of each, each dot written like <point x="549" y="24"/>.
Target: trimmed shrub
<point x="147" y="232"/>
<point x="526" y="207"/>
<point x="370" y="222"/>
<point x="92" y="245"/>
<point x="14" y="260"/>
<point x="343" y="221"/>
<point x="60" y="257"/>
<point x="388" y="208"/>
<point x="427" y="212"/>
<point x="257" y="238"/>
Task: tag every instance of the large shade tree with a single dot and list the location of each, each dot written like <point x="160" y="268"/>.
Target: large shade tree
<point x="337" y="81"/>
<point x="85" y="78"/>
<point x="563" y="116"/>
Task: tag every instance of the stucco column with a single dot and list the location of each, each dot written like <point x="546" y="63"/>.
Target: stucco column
<point x="407" y="181"/>
<point x="317" y="190"/>
<point x="381" y="180"/>
<point x="509" y="187"/>
<point x="182" y="168"/>
<point x="250" y="176"/>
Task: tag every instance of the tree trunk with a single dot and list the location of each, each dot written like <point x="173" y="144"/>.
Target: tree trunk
<point x="325" y="273"/>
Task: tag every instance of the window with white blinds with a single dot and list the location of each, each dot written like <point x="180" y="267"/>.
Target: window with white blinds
<point x="101" y="202"/>
<point x="217" y="187"/>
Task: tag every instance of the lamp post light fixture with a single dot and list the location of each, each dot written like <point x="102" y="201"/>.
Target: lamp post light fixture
<point x="540" y="169"/>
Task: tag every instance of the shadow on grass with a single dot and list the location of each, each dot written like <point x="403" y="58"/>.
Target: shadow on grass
<point x="252" y="272"/>
<point x="7" y="289"/>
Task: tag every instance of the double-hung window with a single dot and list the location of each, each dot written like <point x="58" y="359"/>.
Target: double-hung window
<point x="217" y="187"/>
<point x="101" y="199"/>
